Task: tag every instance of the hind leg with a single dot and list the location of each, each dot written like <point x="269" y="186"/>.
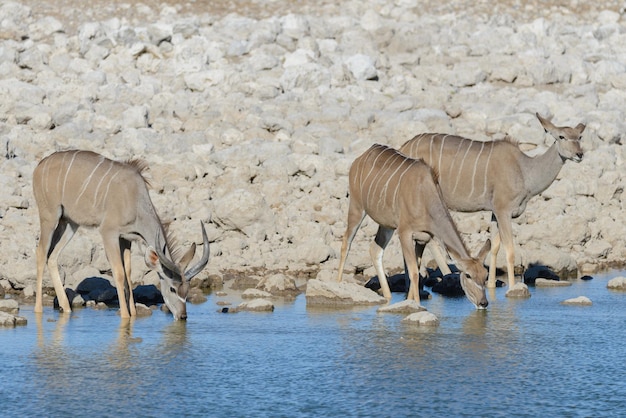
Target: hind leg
<point x="377" y="250"/>
<point x="64" y="231"/>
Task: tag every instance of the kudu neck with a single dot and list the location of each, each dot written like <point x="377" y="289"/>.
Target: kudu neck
<point x="541" y="171"/>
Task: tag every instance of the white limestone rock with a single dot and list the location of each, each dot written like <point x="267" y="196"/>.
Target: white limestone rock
<point x="423" y="318"/>
<point x="580" y="300"/>
<point x="340" y="294"/>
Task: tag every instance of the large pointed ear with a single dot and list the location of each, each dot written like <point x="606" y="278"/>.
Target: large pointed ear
<point x="580" y="128"/>
<point x="484" y="250"/>
<point x="152" y="259"/>
<point x="547" y="125"/>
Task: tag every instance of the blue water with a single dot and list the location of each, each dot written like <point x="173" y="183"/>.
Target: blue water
<point x="531" y="357"/>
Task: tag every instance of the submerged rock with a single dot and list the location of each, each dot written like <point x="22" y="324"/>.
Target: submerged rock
<point x="423" y="319"/>
<point x="551" y="283"/>
<point x="404" y="307"/>
<point x="580" y="300"/>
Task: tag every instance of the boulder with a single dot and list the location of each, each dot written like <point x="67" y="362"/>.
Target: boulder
<point x="617" y="283"/>
<point x="10" y="320"/>
<point x="254" y="305"/>
<point x="340" y="294"/>
<point x="518" y="291"/>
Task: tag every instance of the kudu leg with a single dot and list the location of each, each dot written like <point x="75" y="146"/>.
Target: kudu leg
<point x="377" y="250"/>
<point x="62" y="235"/>
<point x="113" y="251"/>
<point x="493" y="259"/>
<point x="506" y="235"/>
<point x="355" y="218"/>
<point x="412" y="252"/>
<point x="43" y="247"/>
<point x="440" y="258"/>
<point x="125" y="249"/>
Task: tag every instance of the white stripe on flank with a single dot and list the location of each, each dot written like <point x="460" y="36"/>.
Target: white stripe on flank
<point x="88" y="180"/>
<point x="383" y="192"/>
<point x="371" y="167"/>
<point x="379" y="178"/>
<point x="69" y="167"/>
<point x="460" y="171"/>
<point x="395" y="193"/>
<point x="482" y="146"/>
<point x="458" y="148"/>
<point x="106" y="194"/>
<point x="95" y="195"/>
<point x="443" y="141"/>
<point x="487" y="168"/>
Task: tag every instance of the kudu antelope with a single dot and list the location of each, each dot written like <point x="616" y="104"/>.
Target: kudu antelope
<point x="495" y="176"/>
<point x="402" y="193"/>
<point x="81" y="188"/>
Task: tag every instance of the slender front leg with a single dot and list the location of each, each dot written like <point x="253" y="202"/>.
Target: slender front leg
<point x="355" y="218"/>
<point x="506" y="235"/>
<point x="125" y="249"/>
<point x="377" y="250"/>
<point x="412" y="257"/>
<point x="43" y="247"/>
<point x="495" y="247"/>
<point x="112" y="248"/>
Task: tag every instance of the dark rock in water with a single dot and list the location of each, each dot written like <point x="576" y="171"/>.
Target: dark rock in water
<point x="147" y="294"/>
<point x="586" y="278"/>
<point x="398" y="283"/>
<point x="70" y="297"/>
<point x="436" y="273"/>
<point x="97" y="289"/>
<point x="450" y="285"/>
<point x="431" y="281"/>
<point x="536" y="271"/>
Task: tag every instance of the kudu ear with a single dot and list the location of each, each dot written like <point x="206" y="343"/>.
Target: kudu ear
<point x="547" y="125"/>
<point x="484" y="250"/>
<point x="152" y="259"/>
<point x="580" y="128"/>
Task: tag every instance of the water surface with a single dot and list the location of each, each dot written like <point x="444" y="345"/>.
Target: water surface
<point x="531" y="357"/>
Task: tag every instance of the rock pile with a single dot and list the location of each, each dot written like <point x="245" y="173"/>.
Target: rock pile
<point x="250" y="124"/>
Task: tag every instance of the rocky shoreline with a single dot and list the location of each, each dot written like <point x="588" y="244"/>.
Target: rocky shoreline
<point x="250" y="121"/>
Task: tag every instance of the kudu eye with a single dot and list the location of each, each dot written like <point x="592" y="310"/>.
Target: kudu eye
<point x="172" y="290"/>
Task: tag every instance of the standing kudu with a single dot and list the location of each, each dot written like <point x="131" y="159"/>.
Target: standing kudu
<point x="495" y="176"/>
<point x="81" y="188"/>
<point x="402" y="193"/>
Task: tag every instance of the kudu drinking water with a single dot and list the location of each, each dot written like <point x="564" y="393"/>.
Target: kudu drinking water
<point x="495" y="176"/>
<point x="402" y="193"/>
<point x="81" y="188"/>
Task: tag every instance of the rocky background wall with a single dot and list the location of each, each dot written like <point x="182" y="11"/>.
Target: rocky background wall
<point x="250" y="114"/>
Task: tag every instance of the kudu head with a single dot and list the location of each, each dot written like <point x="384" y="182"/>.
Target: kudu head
<point x="473" y="277"/>
<point x="174" y="276"/>
<point x="567" y="139"/>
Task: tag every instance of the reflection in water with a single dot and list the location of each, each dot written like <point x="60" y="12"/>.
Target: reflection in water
<point x="336" y="362"/>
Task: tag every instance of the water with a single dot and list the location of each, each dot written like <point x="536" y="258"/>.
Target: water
<point x="532" y="357"/>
